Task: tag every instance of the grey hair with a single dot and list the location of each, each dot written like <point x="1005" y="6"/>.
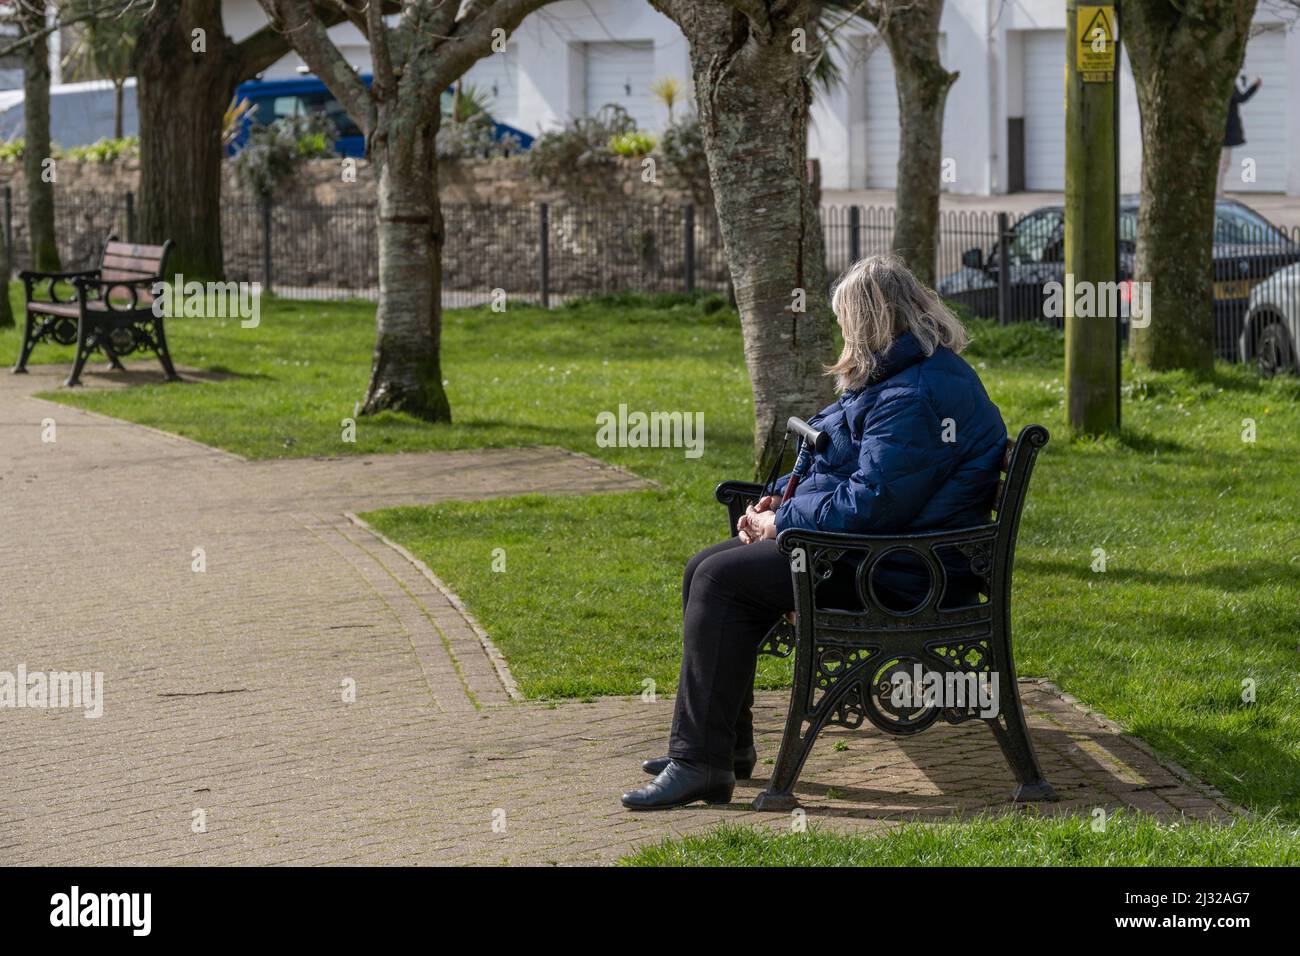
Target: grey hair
<point x="877" y="300"/>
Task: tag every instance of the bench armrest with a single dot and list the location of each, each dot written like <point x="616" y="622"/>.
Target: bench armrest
<point x="34" y="295"/>
<point x="31" y="280"/>
<point x="728" y="491"/>
<point x="922" y="541"/>
<point x="737" y="496"/>
<point x="56" y="276"/>
<point x="126" y="292"/>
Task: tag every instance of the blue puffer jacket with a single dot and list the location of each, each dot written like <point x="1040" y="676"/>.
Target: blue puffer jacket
<point x="917" y="449"/>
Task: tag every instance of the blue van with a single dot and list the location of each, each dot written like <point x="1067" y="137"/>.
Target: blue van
<point x="273" y="99"/>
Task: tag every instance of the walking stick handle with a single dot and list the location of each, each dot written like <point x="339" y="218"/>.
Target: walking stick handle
<point x="819" y="440"/>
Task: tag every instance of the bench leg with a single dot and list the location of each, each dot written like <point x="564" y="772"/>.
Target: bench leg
<point x="29" y="343"/>
<point x="164" y="355"/>
<point x="84" y="348"/>
<point x="795" y="742"/>
<point x="1012" y="734"/>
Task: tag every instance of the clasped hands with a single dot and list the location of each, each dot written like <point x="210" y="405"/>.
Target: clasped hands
<point x="758" y="523"/>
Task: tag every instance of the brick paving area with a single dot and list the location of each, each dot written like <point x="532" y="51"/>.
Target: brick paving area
<point x="224" y="690"/>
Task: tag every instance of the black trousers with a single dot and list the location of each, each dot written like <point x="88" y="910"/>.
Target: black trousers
<point x="732" y="594"/>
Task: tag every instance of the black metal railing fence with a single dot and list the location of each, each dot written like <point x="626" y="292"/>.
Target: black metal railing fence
<point x="546" y="253"/>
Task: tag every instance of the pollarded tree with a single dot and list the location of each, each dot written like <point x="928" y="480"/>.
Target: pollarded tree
<point x="430" y="47"/>
<point x="31" y="16"/>
<point x="751" y="62"/>
<point x="186" y="69"/>
<point x="910" y="28"/>
<point x="102" y="49"/>
<point x="1185" y="56"/>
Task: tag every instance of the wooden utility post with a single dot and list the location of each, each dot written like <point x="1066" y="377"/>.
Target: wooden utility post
<point x="1091" y="217"/>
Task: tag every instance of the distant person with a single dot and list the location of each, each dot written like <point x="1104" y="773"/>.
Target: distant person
<point x="1235" y="134"/>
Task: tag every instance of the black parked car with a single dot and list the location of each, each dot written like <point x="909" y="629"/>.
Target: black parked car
<point x="1247" y="249"/>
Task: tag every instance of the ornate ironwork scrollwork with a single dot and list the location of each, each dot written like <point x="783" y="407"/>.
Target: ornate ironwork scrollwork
<point x="64" y="330"/>
<point x="779" y="641"/>
<point x="124" y="340"/>
<point x="851" y="709"/>
<point x="980" y="557"/>
<point x="966" y="657"/>
<point x="823" y="563"/>
<point x="840" y="671"/>
<point x="886" y="710"/>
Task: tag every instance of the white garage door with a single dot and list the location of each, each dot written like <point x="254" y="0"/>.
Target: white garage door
<point x="622" y="73"/>
<point x="1263" y="118"/>
<point x="1044" y="88"/>
<point x="880" y="105"/>
<point x="882" y="120"/>
<point x="497" y="76"/>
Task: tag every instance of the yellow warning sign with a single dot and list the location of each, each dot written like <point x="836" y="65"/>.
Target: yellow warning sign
<point x="1095" y="51"/>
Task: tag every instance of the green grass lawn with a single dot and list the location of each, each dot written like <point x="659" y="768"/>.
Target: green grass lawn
<point x="1200" y="596"/>
<point x="1014" y="839"/>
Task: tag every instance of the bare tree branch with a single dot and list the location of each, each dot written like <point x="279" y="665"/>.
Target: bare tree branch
<point x="305" y="30"/>
<point x="385" y="80"/>
<point x="68" y="17"/>
<point x="472" y="35"/>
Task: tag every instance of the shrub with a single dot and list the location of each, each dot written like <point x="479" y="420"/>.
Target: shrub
<point x="12" y="151"/>
<point x="474" y="138"/>
<point x="274" y="152"/>
<point x="104" y="150"/>
<point x="635" y="143"/>
<point x="682" y="149"/>
<point x="584" y="142"/>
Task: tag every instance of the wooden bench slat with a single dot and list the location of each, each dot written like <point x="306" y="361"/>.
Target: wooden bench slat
<point x="125" y="275"/>
<point x="69" y="309"/>
<point x="132" y="263"/>
<point x="133" y="249"/>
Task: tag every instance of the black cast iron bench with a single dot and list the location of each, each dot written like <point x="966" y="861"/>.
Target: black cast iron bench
<point x="110" y="308"/>
<point x="848" y="660"/>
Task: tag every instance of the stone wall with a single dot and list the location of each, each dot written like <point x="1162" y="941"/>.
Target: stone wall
<point x="608" y="232"/>
<point x="320" y="182"/>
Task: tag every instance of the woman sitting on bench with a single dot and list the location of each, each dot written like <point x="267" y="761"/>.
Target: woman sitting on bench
<point x="915" y="445"/>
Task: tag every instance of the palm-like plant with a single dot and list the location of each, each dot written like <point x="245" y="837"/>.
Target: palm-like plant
<point x="667" y="90"/>
<point x="103" y="49"/>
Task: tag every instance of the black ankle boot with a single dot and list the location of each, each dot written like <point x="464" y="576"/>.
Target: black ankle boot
<point x="744" y="763"/>
<point x="682" y="783"/>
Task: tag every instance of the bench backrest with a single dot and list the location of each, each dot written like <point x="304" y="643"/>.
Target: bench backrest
<point x="1017" y="465"/>
<point x="130" y="262"/>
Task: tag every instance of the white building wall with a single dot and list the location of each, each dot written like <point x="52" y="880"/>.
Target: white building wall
<point x="552" y="50"/>
<point x="983" y="41"/>
<point x="548" y="48"/>
<point x="1293" y="111"/>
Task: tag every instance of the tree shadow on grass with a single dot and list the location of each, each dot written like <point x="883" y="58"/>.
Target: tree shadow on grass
<point x="1241" y="576"/>
<point x="217" y="373"/>
<point x="1149" y="444"/>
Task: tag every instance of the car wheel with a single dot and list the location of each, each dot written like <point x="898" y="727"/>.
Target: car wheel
<point x="1273" y="352"/>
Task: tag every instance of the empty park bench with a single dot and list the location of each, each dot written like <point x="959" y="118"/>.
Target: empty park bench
<point x="110" y="308"/>
<point x="848" y="661"/>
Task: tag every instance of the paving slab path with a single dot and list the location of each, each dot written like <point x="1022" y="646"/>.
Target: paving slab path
<point x="225" y="736"/>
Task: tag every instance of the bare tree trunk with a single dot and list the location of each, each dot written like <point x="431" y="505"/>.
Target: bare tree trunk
<point x="6" y="273"/>
<point x="911" y="31"/>
<point x="36" y="146"/>
<point x="428" y="49"/>
<point x="118" y="90"/>
<point x="182" y="94"/>
<point x="186" y="70"/>
<point x="1184" y="64"/>
<point x="406" y="373"/>
<point x="753" y="97"/>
